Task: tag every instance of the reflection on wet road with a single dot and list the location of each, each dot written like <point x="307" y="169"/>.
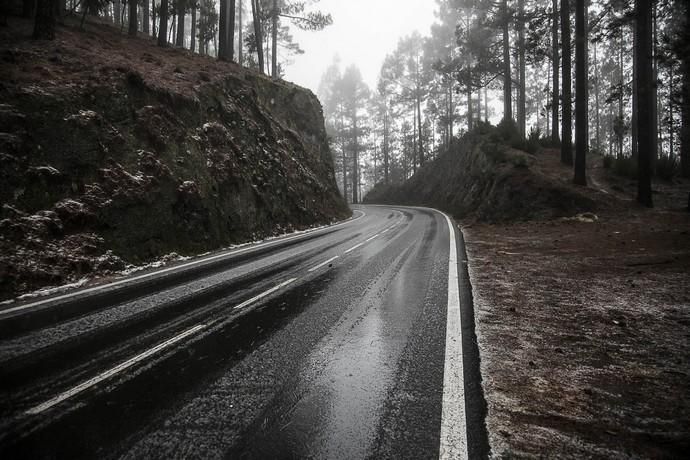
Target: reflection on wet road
<point x="336" y="351"/>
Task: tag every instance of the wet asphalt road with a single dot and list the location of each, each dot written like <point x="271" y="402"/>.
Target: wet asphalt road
<point x="329" y="344"/>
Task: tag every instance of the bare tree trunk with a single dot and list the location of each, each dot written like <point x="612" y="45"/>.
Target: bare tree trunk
<point x="635" y="98"/>
<point x="645" y="87"/>
<point x="192" y="39"/>
<point x="507" y="92"/>
<point x="521" y="106"/>
<point x="145" y="20"/>
<point x="116" y="12"/>
<point x="28" y="9"/>
<point x="486" y="107"/>
<point x="163" y="29"/>
<point x="240" y="38"/>
<point x="256" y="14"/>
<point x="223" y="31"/>
<point x="385" y="144"/>
<point x="555" y="138"/>
<point x="274" y="32"/>
<point x="567" y="125"/>
<point x="581" y="90"/>
<point x="355" y="159"/>
<point x="231" y="31"/>
<point x="620" y="94"/>
<point x="44" y="23"/>
<point x="133" y="17"/>
<point x="179" y="39"/>
<point x="451" y="111"/>
<point x="685" y="102"/>
<point x="596" y="101"/>
<point x="153" y="18"/>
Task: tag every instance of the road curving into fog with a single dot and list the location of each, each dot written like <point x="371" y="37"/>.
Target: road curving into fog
<point x="351" y="341"/>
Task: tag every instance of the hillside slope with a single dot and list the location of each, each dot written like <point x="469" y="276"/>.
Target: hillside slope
<point x="115" y="151"/>
<point x="480" y="177"/>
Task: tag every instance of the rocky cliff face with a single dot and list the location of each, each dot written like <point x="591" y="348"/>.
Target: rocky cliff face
<point x="114" y="151"/>
<point x="480" y="177"/>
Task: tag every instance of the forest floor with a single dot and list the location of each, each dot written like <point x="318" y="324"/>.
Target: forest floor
<point x="583" y="325"/>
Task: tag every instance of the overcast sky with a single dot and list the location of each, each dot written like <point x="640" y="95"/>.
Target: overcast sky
<point x="363" y="32"/>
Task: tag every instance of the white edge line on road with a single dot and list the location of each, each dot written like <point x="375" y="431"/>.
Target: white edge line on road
<point x="177" y="267"/>
<point x="453" y="443"/>
<point x="265" y="293"/>
<point x="353" y="247"/>
<point x="115" y="370"/>
<point x="322" y="264"/>
<point x="371" y="238"/>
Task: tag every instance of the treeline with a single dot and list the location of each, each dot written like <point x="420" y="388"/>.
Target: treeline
<point x="610" y="76"/>
<point x="255" y="33"/>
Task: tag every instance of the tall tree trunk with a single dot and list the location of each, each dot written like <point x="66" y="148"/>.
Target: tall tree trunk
<point x="415" y="152"/>
<point x="581" y="90"/>
<point x="192" y="38"/>
<point x="153" y="19"/>
<point x="179" y="40"/>
<point x="507" y="92"/>
<point x="645" y="88"/>
<point x="355" y="158"/>
<point x="223" y="31"/>
<point x="240" y="32"/>
<point x="620" y="94"/>
<point x="555" y="99"/>
<point x="145" y="20"/>
<point x="133" y="17"/>
<point x="28" y="8"/>
<point x="521" y="106"/>
<point x="685" y="101"/>
<point x="163" y="28"/>
<point x="486" y="106"/>
<point x="419" y="129"/>
<point x="655" y="74"/>
<point x="231" y="31"/>
<point x="274" y="32"/>
<point x="451" y="111"/>
<point x="385" y="145"/>
<point x="44" y="23"/>
<point x="596" y="102"/>
<point x="567" y="125"/>
<point x="670" y="117"/>
<point x="470" y="115"/>
<point x="548" y="125"/>
<point x="173" y="29"/>
<point x="116" y="12"/>
<point x="635" y="98"/>
<point x="256" y="15"/>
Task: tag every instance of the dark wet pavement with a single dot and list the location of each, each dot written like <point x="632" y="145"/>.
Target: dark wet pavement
<point x="344" y="362"/>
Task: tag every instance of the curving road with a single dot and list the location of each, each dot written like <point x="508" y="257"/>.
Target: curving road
<point x="351" y="341"/>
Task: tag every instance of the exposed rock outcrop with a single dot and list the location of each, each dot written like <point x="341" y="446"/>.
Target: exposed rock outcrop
<point x="113" y="150"/>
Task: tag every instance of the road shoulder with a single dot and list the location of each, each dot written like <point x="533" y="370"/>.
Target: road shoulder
<point x="583" y="330"/>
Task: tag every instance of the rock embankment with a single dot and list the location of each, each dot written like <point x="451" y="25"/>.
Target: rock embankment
<point x="114" y="151"/>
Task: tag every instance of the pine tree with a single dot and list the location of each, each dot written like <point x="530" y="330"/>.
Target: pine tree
<point x="581" y="93"/>
<point x="567" y="122"/>
<point x="44" y="23"/>
<point x="163" y="27"/>
<point x="555" y="99"/>
<point x="645" y="93"/>
<point x="133" y="17"/>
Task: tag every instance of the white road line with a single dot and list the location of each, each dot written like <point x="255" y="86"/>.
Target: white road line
<point x="453" y="419"/>
<point x="322" y="264"/>
<point x="165" y="270"/>
<point x="265" y="293"/>
<point x="115" y="370"/>
<point x="372" y="237"/>
<point x="353" y="248"/>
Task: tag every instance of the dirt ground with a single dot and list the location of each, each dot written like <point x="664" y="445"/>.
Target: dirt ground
<point x="583" y="327"/>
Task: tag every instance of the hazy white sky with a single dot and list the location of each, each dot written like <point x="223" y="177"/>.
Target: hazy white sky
<point x="363" y="32"/>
